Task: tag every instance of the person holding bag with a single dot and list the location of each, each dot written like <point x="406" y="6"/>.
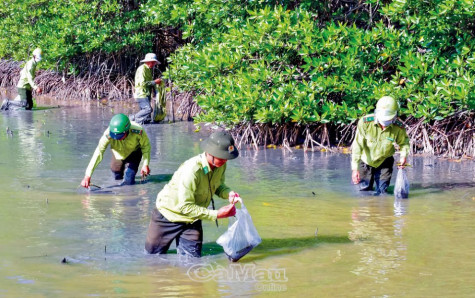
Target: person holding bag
<point x="183" y="203"/>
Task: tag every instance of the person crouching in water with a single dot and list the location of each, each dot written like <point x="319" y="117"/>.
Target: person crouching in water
<point x="184" y="201"/>
<point x="373" y="148"/>
<point x="26" y="85"/>
<point x="129" y="145"/>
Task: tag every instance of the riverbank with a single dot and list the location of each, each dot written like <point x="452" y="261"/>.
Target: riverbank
<point x="452" y="137"/>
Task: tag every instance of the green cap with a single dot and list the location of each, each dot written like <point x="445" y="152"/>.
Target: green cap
<point x="220" y="144"/>
<point x="119" y="124"/>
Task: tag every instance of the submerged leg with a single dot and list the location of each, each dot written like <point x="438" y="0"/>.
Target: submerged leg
<point x="129" y="177"/>
<point x="367" y="177"/>
<point x="383" y="176"/>
<point x="145" y="113"/>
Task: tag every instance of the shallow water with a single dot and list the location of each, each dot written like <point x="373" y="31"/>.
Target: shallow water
<point x="321" y="237"/>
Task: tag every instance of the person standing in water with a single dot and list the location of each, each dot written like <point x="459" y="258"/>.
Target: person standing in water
<point x="26" y="84"/>
<point x="184" y="201"/>
<point x="144" y="86"/>
<point x="129" y="144"/>
<point x="373" y="147"/>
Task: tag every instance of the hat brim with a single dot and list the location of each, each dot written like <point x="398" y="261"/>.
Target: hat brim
<point x="386" y="117"/>
<point x="207" y="147"/>
<point x="150" y="60"/>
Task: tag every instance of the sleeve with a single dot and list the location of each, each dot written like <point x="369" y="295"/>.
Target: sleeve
<point x="223" y="190"/>
<point x="187" y="187"/>
<point x="98" y="155"/>
<point x="403" y="141"/>
<point x="30" y="74"/>
<point x="145" y="147"/>
<point x="141" y="80"/>
<point x="357" y="146"/>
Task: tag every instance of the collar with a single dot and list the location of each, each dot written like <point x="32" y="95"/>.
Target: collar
<point x="205" y="164"/>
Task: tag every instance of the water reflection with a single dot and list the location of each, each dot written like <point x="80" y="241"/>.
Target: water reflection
<point x="378" y="232"/>
<point x="44" y="218"/>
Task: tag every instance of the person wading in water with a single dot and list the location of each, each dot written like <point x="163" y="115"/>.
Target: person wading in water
<point x="184" y="201"/>
<point x="373" y="148"/>
<point x="129" y="144"/>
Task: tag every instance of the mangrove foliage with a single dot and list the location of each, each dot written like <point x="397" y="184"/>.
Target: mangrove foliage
<point x="276" y="72"/>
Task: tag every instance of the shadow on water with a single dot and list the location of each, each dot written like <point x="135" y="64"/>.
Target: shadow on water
<point x="158" y="178"/>
<point x="442" y="186"/>
<point x="274" y="247"/>
<point x="121" y="189"/>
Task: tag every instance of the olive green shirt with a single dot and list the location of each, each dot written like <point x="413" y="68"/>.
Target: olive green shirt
<point x="27" y="75"/>
<point x="137" y="138"/>
<point x="373" y="145"/>
<point x="188" y="194"/>
<point x="144" y="82"/>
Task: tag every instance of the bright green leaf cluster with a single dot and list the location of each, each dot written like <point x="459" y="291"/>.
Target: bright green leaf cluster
<point x="261" y="62"/>
<point x="68" y="30"/>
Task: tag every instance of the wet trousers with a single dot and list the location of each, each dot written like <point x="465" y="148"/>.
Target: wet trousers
<point x="132" y="162"/>
<point x="26" y="101"/>
<point x="380" y="175"/>
<point x="161" y="233"/>
<point x="145" y="113"/>
<point x="26" y="98"/>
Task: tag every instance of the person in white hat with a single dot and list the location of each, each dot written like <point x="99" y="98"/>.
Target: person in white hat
<point x="373" y="147"/>
<point x="144" y="85"/>
<point x="26" y="84"/>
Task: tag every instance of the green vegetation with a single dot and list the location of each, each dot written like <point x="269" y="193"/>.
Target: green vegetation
<point x="276" y="71"/>
<point x="258" y="62"/>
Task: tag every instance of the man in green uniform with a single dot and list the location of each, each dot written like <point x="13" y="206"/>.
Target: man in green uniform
<point x="26" y="84"/>
<point x="144" y="86"/>
<point x="184" y="201"/>
<point x="129" y="145"/>
<point x="373" y="148"/>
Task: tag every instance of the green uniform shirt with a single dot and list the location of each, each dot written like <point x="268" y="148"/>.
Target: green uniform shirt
<point x="188" y="194"/>
<point x="137" y="138"/>
<point x="144" y="82"/>
<point x="373" y="145"/>
<point x="27" y="76"/>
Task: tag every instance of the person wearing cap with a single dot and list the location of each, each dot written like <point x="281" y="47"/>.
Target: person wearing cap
<point x="26" y="84"/>
<point x="129" y="144"/>
<point x="144" y="86"/>
<point x="373" y="147"/>
<point x="183" y="203"/>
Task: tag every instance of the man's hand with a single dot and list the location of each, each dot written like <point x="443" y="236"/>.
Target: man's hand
<point x="145" y="171"/>
<point x="355" y="176"/>
<point x="402" y="163"/>
<point x="38" y="90"/>
<point x="86" y="182"/>
<point x="233" y="197"/>
<point x="158" y="81"/>
<point x="226" y="211"/>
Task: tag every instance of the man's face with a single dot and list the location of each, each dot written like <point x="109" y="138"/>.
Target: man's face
<point x="216" y="161"/>
<point x="151" y="64"/>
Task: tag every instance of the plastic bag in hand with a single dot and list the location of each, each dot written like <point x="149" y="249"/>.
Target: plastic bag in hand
<point x="401" y="189"/>
<point x="241" y="236"/>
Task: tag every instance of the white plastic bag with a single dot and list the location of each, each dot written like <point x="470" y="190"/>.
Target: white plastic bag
<point x="401" y="189"/>
<point x="241" y="236"/>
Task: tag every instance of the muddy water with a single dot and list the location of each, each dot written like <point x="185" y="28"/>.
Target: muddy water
<point x="321" y="237"/>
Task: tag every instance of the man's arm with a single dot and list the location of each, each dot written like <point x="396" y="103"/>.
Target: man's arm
<point x="145" y="147"/>
<point x="403" y="141"/>
<point x="223" y="190"/>
<point x="98" y="155"/>
<point x="357" y="146"/>
<point x="30" y="74"/>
